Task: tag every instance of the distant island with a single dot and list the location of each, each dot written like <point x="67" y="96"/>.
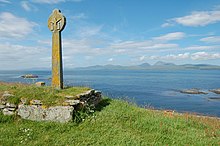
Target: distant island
<point x="157" y="65"/>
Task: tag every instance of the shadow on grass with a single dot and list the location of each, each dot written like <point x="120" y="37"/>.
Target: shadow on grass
<point x="87" y="111"/>
<point x="103" y="103"/>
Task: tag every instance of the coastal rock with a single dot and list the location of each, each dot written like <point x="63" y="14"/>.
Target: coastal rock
<point x="216" y="91"/>
<point x="192" y="91"/>
<point x="214" y="98"/>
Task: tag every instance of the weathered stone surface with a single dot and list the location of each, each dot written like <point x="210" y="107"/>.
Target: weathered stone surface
<point x="216" y="91"/>
<point x="56" y="24"/>
<point x="8" y="112"/>
<point x="98" y="93"/>
<point x="72" y="102"/>
<point x="36" y="102"/>
<point x="39" y="84"/>
<point x="70" y="97"/>
<point x="11" y="105"/>
<point x="2" y="106"/>
<point x="37" y="113"/>
<point x="11" y="109"/>
<point x="59" y="114"/>
<point x="192" y="91"/>
<point x="23" y="100"/>
<point x="3" y="102"/>
<point x="7" y="94"/>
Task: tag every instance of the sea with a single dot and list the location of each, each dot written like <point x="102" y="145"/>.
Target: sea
<point x="158" y="89"/>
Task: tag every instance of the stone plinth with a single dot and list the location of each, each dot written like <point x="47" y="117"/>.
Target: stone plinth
<point x="37" y="111"/>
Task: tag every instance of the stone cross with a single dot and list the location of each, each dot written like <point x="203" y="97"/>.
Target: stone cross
<point x="56" y="24"/>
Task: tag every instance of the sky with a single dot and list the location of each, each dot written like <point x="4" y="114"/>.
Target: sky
<point x="118" y="32"/>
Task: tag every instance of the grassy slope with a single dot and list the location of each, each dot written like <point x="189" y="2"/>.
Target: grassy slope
<point x="47" y="95"/>
<point x="114" y="123"/>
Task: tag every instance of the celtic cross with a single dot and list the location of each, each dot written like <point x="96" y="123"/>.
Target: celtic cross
<point x="56" y="24"/>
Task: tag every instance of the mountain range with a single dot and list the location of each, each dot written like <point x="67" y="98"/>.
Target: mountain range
<point x="157" y="65"/>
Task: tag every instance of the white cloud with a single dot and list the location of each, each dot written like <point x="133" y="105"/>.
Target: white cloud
<point x="184" y="56"/>
<point x="205" y="56"/>
<point x="167" y="24"/>
<point x="212" y="39"/>
<point x="18" y="56"/>
<point x="197" y="18"/>
<point x="171" y="36"/>
<point x="5" y="1"/>
<point x="12" y="26"/>
<point x="143" y="45"/>
<point x="89" y="31"/>
<point x="48" y="1"/>
<point x="78" y="16"/>
<point x="201" y="47"/>
<point x="54" y="1"/>
<point x="142" y="58"/>
<point x="180" y="56"/>
<point x="26" y="5"/>
<point x="110" y="59"/>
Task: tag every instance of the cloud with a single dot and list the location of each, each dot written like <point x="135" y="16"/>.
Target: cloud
<point x="201" y="47"/>
<point x="88" y="31"/>
<point x="171" y="36"/>
<point x="18" y="56"/>
<point x="205" y="56"/>
<point x="54" y="1"/>
<point x="195" y="19"/>
<point x="110" y="59"/>
<point x="25" y="5"/>
<point x="184" y="56"/>
<point x="142" y="45"/>
<point x="5" y="1"/>
<point x="212" y="39"/>
<point x="78" y="16"/>
<point x="12" y="26"/>
<point x="180" y="56"/>
<point x="167" y="24"/>
<point x="142" y="58"/>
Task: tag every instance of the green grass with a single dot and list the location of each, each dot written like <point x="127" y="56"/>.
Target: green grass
<point x="114" y="122"/>
<point x="47" y="95"/>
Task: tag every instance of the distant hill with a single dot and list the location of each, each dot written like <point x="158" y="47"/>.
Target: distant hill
<point x="144" y="65"/>
<point x="157" y="65"/>
<point x="161" y="63"/>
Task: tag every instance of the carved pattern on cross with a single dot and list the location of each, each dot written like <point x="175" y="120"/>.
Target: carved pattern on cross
<point x="56" y="21"/>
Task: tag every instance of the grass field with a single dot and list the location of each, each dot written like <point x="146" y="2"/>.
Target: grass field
<point x="114" y="122"/>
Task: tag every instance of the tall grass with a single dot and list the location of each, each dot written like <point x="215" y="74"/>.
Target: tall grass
<point x="114" y="122"/>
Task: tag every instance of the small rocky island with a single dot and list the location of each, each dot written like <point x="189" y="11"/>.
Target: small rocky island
<point x="192" y="91"/>
<point x="216" y="91"/>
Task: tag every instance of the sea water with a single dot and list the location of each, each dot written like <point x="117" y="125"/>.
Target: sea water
<point x="151" y="88"/>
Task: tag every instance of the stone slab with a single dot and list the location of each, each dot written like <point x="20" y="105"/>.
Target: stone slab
<point x="38" y="113"/>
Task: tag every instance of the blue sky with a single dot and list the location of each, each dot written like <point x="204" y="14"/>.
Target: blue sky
<point x="120" y="32"/>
